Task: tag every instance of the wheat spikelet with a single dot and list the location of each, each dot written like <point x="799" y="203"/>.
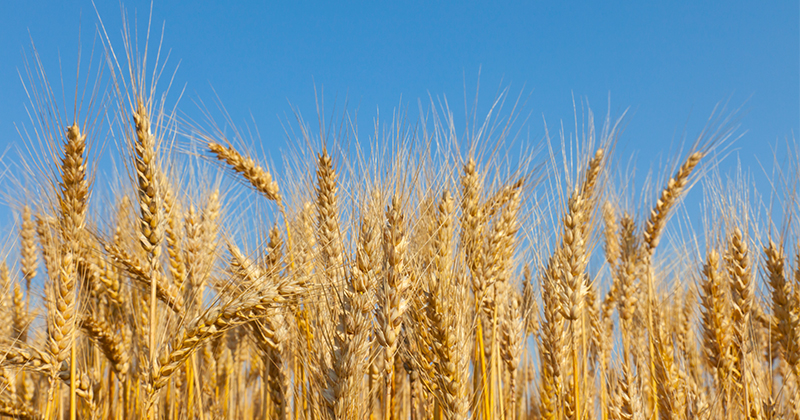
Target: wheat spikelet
<point x="629" y="406"/>
<point x="195" y="257"/>
<point x="46" y="234"/>
<point x="73" y="193"/>
<point x="330" y="254"/>
<point x="500" y="249"/>
<point x="250" y="276"/>
<point x="272" y="337"/>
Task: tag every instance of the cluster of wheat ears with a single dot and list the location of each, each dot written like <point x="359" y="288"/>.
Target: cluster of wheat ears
<point x="416" y="281"/>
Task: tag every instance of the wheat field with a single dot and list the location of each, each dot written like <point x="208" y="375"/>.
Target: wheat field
<point x="439" y="273"/>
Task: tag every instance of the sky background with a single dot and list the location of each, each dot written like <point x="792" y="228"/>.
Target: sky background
<point x="669" y="63"/>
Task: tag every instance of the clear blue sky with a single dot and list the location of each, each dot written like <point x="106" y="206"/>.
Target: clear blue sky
<point x="669" y="62"/>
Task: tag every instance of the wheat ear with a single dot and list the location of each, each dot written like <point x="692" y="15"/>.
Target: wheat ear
<point x="151" y="212"/>
<point x="716" y="324"/>
<point x="392" y="293"/>
<point x="216" y="321"/>
<point x="738" y="266"/>
<point x="784" y="306"/>
<point x="27" y="238"/>
<point x="17" y="410"/>
<point x="73" y="193"/>
<point x="258" y="177"/>
<point x="351" y="346"/>
<point x="21" y="315"/>
<point x="551" y="348"/>
<point x="174" y="237"/>
<point x="449" y="328"/>
<point x="6" y="310"/>
<point x="165" y="291"/>
<point x="653" y="230"/>
<point x="111" y="343"/>
<point x="669" y="196"/>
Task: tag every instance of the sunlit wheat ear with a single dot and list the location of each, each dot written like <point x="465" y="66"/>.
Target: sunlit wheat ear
<point x="330" y="274"/>
<point x="351" y="346"/>
<point x="449" y="328"/>
<point x="258" y="177"/>
<point x="216" y="321"/>
<point x="592" y="174"/>
<point x="17" y="410"/>
<point x="551" y="348"/>
<point x="530" y="304"/>
<point x="786" y="316"/>
<point x="6" y="310"/>
<point x="501" y="245"/>
<point x="472" y="219"/>
<point x="611" y="245"/>
<point x="174" y="237"/>
<point x="271" y="332"/>
<point x="716" y="324"/>
<point x="393" y="296"/>
<point x="151" y="217"/>
<point x="572" y="260"/>
<point x="671" y="398"/>
<point x="22" y="318"/>
<point x="512" y="346"/>
<point x="73" y="192"/>
<point x="113" y="345"/>
<point x="149" y="188"/>
<point x="738" y="267"/>
<point x="669" y="196"/>
<point x="165" y="291"/>
<point x="328" y="229"/>
<point x="28" y="260"/>
<point x="102" y="269"/>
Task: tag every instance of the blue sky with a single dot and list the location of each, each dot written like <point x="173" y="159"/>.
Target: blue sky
<point x="669" y="62"/>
